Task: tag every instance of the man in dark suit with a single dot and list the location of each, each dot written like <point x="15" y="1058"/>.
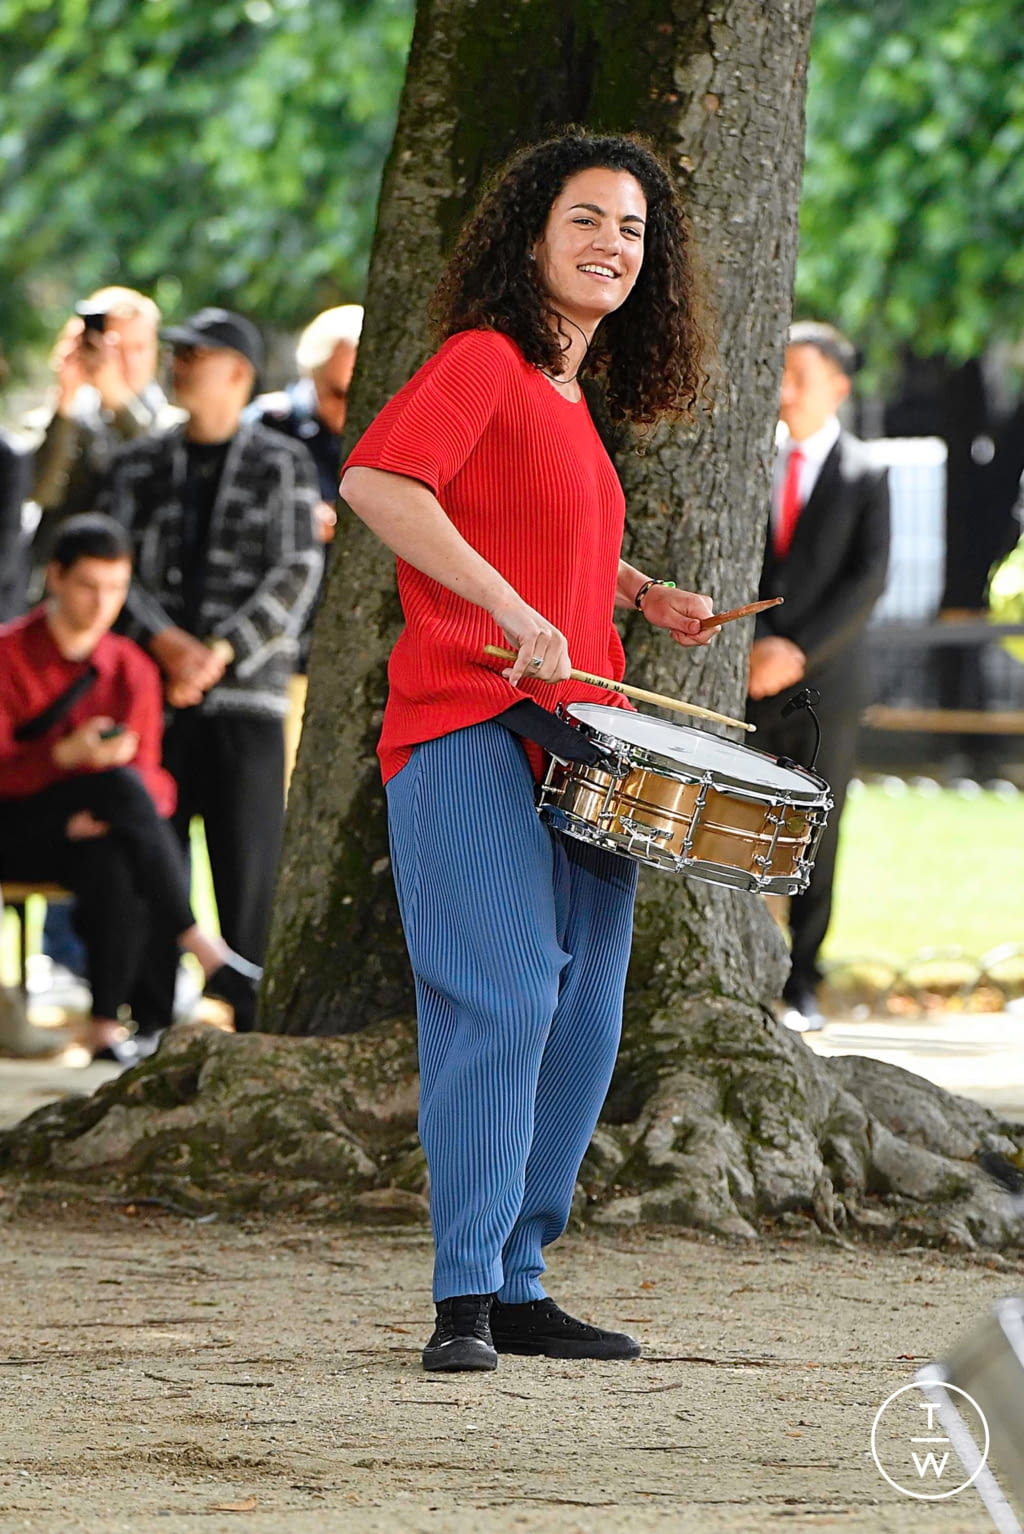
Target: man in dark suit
<point x="826" y="553"/>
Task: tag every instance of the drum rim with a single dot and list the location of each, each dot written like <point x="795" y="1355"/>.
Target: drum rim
<point x="679" y="773"/>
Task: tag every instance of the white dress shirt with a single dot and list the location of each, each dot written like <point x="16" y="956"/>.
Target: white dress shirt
<point x="815" y="449"/>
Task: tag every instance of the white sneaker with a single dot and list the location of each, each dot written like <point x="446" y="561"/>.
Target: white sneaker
<point x="802" y="1013"/>
<point x="56" y="986"/>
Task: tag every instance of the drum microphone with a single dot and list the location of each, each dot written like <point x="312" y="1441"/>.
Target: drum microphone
<point x="806" y="698"/>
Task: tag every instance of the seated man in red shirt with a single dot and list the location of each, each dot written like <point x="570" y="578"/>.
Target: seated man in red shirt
<point x="84" y="800"/>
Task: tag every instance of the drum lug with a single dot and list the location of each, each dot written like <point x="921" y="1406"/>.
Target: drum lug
<point x="645" y="835"/>
<point x="615" y="764"/>
<point x="706" y="783"/>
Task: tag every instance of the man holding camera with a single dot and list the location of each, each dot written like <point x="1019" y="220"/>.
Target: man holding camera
<point x="107" y="394"/>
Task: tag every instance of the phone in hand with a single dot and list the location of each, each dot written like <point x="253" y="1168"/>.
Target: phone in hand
<point x="112" y="731"/>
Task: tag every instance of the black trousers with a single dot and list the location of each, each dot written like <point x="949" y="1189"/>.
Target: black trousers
<point x="230" y="770"/>
<point x="839" y="713"/>
<point x="127" y="883"/>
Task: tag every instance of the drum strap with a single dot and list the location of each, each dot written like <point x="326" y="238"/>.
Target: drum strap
<point x="545" y="729"/>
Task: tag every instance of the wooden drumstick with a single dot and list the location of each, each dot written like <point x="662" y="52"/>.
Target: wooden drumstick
<point x="715" y="620"/>
<point x="639" y="693"/>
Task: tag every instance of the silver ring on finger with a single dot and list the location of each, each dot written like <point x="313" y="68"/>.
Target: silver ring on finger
<point x="538" y="660"/>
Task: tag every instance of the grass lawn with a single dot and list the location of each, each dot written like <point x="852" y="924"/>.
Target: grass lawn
<point x="928" y="870"/>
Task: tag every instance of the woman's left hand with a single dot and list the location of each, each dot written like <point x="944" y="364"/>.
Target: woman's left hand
<point x="680" y="612"/>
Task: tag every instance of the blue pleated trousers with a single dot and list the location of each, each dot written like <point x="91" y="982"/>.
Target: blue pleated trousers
<point x="519" y="941"/>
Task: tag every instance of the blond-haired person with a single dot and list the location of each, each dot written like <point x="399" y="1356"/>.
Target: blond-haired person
<point x="313" y="409"/>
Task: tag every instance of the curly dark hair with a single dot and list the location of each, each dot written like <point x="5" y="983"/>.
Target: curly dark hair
<point x="649" y="352"/>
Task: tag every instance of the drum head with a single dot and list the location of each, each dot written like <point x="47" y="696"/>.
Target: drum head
<point x="696" y="750"/>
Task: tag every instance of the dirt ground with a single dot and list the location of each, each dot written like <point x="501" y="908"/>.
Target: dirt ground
<point x="164" y="1374"/>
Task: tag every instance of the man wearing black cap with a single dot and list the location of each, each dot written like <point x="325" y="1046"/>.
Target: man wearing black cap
<point x="826" y="552"/>
<point x="226" y="566"/>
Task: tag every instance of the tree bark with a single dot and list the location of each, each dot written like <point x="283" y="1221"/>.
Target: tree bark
<point x="717" y="1116"/>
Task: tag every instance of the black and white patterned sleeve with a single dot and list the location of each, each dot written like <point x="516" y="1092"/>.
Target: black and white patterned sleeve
<point x="279" y="606"/>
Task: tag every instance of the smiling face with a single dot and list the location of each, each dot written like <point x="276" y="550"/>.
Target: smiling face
<point x="592" y="248"/>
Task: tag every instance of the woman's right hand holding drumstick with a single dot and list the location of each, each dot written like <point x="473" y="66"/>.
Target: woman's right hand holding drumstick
<point x="409" y="518"/>
<point x="542" y="650"/>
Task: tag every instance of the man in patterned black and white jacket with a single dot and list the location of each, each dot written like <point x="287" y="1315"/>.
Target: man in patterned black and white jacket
<point x="220" y="512"/>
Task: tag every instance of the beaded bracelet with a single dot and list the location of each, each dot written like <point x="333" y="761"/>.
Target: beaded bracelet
<point x="638" y="600"/>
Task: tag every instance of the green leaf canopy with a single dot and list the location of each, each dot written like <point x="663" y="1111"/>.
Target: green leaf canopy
<point x="222" y="152"/>
<point x="912" y="220"/>
<point x="231" y="152"/>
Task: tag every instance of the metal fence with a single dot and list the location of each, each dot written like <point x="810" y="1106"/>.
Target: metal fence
<point x="948" y="688"/>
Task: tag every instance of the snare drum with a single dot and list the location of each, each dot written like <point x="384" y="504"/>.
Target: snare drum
<point x="689" y="802"/>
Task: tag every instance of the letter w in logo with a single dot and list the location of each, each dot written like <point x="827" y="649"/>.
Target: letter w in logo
<point x="929" y="1462"/>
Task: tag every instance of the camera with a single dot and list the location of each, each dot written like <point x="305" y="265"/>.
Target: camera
<point x="94" y="320"/>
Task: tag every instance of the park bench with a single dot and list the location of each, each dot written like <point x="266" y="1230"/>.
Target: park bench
<point x="16" y="893"/>
<point x="956" y="631"/>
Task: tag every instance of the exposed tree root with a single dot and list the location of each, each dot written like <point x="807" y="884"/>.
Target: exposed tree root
<point x="724" y="1137"/>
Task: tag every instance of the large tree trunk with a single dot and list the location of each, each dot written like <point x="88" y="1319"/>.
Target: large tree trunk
<point x="721" y="89"/>
<point x="242" y="1122"/>
<point x="716" y="1115"/>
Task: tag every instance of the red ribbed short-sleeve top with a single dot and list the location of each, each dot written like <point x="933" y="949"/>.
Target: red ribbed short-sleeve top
<point x="523" y="475"/>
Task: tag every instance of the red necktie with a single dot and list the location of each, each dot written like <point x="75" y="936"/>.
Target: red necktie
<point x="791" y="506"/>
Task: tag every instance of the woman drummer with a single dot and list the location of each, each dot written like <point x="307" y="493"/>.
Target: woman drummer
<point x="486" y="477"/>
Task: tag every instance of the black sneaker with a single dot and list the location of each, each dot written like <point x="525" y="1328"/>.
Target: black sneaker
<point x="462" y="1337"/>
<point x="542" y="1329"/>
